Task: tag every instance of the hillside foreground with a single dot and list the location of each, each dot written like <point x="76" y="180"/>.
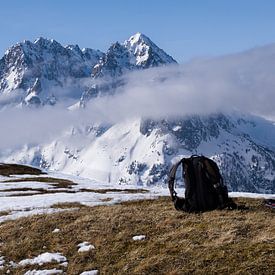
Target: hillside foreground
<point x="123" y="231"/>
<point x="240" y="242"/>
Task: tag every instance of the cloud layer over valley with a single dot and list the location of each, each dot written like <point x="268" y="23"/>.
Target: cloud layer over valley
<point x="241" y="82"/>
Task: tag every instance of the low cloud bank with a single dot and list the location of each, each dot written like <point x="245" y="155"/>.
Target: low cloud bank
<point x="242" y="82"/>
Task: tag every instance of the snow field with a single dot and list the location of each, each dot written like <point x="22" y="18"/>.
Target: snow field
<point x="14" y="205"/>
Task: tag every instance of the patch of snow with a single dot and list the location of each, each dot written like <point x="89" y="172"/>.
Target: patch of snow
<point x="44" y="272"/>
<point x="85" y="246"/>
<point x="139" y="237"/>
<point x="56" y="230"/>
<point x="44" y="258"/>
<point x="13" y="264"/>
<point x="65" y="264"/>
<point x="251" y="195"/>
<point x="90" y="272"/>
<point x="176" y="128"/>
<point x="25" y="212"/>
<point x="2" y="262"/>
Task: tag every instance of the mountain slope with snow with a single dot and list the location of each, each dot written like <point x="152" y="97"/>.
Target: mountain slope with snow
<point x="139" y="151"/>
<point x="136" y="53"/>
<point x="39" y="72"/>
<point x="135" y="149"/>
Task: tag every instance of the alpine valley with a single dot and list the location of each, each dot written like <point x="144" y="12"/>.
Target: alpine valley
<point x="136" y="150"/>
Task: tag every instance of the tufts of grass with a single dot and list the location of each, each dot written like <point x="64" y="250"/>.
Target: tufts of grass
<point x="17" y="169"/>
<point x="67" y="205"/>
<point x="29" y="191"/>
<point x="56" y="182"/>
<point x="104" y="191"/>
<point x="4" y="213"/>
<point x="216" y="242"/>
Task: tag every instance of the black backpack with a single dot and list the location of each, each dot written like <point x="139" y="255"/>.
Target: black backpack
<point x="204" y="187"/>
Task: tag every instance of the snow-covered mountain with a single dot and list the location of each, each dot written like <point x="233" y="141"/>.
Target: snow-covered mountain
<point x="135" y="150"/>
<point x="138" y="52"/>
<point x="45" y="71"/>
<point x="39" y="72"/>
<point x="139" y="151"/>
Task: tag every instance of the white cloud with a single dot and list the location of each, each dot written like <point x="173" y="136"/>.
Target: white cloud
<point x="243" y="82"/>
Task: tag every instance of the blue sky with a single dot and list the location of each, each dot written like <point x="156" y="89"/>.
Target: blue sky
<point x="184" y="28"/>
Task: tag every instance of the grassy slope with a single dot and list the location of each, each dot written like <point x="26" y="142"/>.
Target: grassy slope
<point x="241" y="242"/>
<point x="8" y="169"/>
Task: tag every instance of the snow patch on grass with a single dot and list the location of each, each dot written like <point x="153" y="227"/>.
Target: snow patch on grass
<point x="44" y="258"/>
<point x="2" y="262"/>
<point x="83" y="191"/>
<point x="90" y="272"/>
<point x="85" y="246"/>
<point x="13" y="215"/>
<point x="44" y="272"/>
<point x="139" y="237"/>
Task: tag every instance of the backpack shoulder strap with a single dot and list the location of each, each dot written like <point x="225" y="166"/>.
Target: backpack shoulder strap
<point x="171" y="179"/>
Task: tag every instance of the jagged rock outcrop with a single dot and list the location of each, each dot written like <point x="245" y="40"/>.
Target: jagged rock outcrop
<point x="69" y="72"/>
<point x="40" y="72"/>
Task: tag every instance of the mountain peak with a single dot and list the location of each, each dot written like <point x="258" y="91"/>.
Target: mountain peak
<point x="46" y="60"/>
<point x="146" y="53"/>
<point x="74" y="48"/>
<point x="138" y="37"/>
<point x="51" y="63"/>
<point x="42" y="40"/>
<point x="46" y="43"/>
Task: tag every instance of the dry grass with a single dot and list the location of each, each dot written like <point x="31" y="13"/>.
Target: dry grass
<point x="67" y="205"/>
<point x="105" y="191"/>
<point x="56" y="182"/>
<point x="36" y="191"/>
<point x="17" y="169"/>
<point x="217" y="242"/>
<point x="4" y="213"/>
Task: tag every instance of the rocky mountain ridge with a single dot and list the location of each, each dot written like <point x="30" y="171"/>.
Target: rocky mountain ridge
<point x="44" y="71"/>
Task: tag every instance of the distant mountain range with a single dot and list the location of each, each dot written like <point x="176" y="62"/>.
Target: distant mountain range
<point x="137" y="150"/>
<point x="38" y="73"/>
